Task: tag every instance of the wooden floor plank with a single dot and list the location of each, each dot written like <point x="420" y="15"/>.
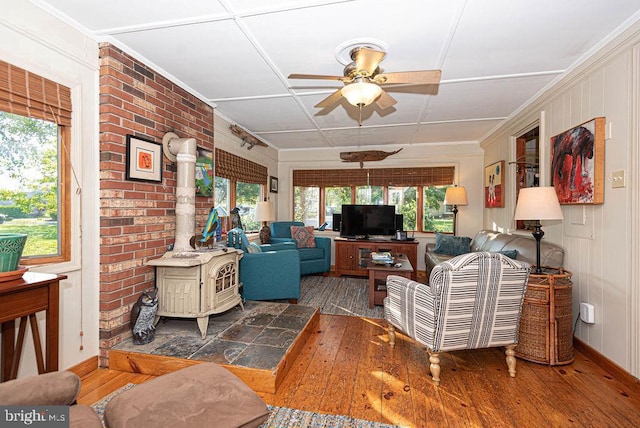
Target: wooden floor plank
<point x="347" y="368"/>
<point x="397" y="403"/>
<point x="297" y="372"/>
<point x="367" y="397"/>
<point x="340" y="388"/>
<point x="426" y="401"/>
<point x="312" y="386"/>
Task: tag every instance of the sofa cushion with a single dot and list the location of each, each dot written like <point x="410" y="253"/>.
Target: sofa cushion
<point x="203" y="395"/>
<point x="83" y="416"/>
<point x="311" y="253"/>
<point x="48" y="389"/>
<point x="303" y="235"/>
<point x="512" y="254"/>
<point x="452" y="245"/>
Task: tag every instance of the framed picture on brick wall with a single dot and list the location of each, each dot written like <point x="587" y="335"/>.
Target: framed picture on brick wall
<point x="144" y="160"/>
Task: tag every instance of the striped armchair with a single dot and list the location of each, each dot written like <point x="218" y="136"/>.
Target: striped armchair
<point x="472" y="301"/>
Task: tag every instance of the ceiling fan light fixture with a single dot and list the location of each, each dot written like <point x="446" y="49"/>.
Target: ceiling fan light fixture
<point x="361" y="93"/>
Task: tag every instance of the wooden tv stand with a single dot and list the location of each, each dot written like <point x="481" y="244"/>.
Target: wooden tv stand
<point x="352" y="255"/>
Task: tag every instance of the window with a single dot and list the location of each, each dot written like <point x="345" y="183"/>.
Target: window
<point x="247" y="196"/>
<point x="221" y="196"/>
<point x="405" y="200"/>
<point x="35" y="116"/>
<point x="334" y="198"/>
<point x="369" y="195"/>
<point x="438" y="217"/>
<point x="417" y="194"/>
<point x="306" y="201"/>
<point x="239" y="183"/>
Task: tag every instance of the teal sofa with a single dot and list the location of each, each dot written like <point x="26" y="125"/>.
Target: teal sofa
<point x="312" y="260"/>
<point x="272" y="273"/>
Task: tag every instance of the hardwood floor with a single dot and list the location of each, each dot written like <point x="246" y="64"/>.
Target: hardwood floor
<point x="347" y="367"/>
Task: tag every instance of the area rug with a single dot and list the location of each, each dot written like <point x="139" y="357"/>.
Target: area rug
<point x="100" y="405"/>
<point x="284" y="417"/>
<point x="280" y="417"/>
<point x="338" y="296"/>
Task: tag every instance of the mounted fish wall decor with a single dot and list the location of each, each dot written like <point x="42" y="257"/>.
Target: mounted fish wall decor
<point x="366" y="156"/>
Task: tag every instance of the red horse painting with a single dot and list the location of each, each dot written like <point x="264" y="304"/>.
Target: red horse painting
<point x="573" y="166"/>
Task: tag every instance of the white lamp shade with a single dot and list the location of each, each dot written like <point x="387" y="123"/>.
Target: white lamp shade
<point x="265" y="211"/>
<point x="538" y="203"/>
<point x="456" y="196"/>
<point x="361" y="93"/>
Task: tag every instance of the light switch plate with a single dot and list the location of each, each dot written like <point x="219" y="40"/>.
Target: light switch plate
<point x="619" y="178"/>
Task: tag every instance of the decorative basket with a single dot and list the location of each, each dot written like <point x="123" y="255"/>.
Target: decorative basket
<point x="11" y="246"/>
<point x="546" y="325"/>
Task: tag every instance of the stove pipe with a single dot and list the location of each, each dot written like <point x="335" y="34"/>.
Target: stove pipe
<point x="183" y="150"/>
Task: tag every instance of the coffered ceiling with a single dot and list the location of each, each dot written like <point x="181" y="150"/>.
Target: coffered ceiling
<point x="495" y="55"/>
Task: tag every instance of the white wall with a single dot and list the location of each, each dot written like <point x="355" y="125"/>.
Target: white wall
<point x="601" y="241"/>
<point x="34" y="40"/>
<point x="224" y="139"/>
<point x="468" y="159"/>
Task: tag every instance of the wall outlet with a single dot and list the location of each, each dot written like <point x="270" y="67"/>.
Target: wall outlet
<point x="587" y="313"/>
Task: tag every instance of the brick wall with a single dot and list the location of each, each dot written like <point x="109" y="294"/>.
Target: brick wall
<point x="137" y="219"/>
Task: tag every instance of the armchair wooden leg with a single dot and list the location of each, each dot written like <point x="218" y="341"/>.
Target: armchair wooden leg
<point x="392" y="334"/>
<point x="511" y="360"/>
<point x="434" y="359"/>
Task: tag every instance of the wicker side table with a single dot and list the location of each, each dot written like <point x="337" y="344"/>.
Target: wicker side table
<point x="546" y="325"/>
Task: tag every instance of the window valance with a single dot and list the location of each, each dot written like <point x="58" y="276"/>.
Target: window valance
<point x="238" y="168"/>
<point x="27" y="94"/>
<point x="400" y="177"/>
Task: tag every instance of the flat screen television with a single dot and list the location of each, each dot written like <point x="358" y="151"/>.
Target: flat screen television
<point x="363" y="221"/>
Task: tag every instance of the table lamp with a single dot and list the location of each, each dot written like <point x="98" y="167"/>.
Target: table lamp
<point x="538" y="203"/>
<point x="455" y="196"/>
<point x="265" y="213"/>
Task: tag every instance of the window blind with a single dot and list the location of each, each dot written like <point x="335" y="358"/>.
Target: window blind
<point x="238" y="168"/>
<point x="27" y="94"/>
<point x="400" y="177"/>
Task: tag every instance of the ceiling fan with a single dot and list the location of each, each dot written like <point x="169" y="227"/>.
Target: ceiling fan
<point x="363" y="80"/>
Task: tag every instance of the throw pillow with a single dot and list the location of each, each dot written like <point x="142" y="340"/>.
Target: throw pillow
<point x="512" y="254"/>
<point x="253" y="248"/>
<point x="452" y="245"/>
<point x="303" y="235"/>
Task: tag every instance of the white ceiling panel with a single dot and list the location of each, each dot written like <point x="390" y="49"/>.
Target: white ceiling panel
<point x="295" y="140"/>
<point x="494" y="56"/>
<point x="267" y="114"/>
<point x="518" y="36"/>
<point x="214" y="58"/>
<point x="371" y="136"/>
<point x="99" y="15"/>
<point x="468" y="100"/>
<point x="453" y="131"/>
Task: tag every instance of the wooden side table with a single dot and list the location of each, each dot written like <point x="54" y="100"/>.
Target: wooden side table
<point x="546" y="325"/>
<point x="22" y="299"/>
<point x="378" y="276"/>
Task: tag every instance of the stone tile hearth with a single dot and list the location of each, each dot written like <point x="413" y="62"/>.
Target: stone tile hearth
<point x="257" y="337"/>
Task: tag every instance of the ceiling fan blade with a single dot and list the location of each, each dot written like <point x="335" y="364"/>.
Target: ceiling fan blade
<point x="431" y="77"/>
<point x="385" y="100"/>
<point x="315" y="76"/>
<point x="330" y="100"/>
<point x="368" y="59"/>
